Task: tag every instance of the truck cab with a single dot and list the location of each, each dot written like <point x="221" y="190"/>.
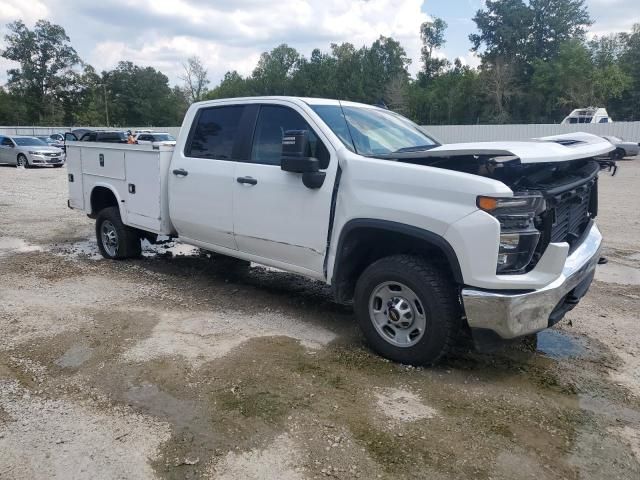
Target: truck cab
<point x="426" y="240"/>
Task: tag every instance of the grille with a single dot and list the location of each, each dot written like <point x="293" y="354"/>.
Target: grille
<point x="572" y="213"/>
<point x="52" y="154"/>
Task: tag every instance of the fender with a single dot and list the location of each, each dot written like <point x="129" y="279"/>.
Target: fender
<point x="114" y="191"/>
<point x="425" y="236"/>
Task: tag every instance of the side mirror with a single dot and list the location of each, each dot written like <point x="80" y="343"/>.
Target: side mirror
<point x="296" y="158"/>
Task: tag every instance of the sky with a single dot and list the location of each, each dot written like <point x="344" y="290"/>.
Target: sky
<point x="231" y="34"/>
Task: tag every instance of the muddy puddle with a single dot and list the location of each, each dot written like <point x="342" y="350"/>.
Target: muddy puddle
<point x="560" y="345"/>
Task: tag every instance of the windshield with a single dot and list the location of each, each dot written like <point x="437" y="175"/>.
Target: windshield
<point x="373" y="131"/>
<point x="29" y="142"/>
<point x="163" y="137"/>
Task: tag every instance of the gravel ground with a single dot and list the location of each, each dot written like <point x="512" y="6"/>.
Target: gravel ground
<point x="179" y="365"/>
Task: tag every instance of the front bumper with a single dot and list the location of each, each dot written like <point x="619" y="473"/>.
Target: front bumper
<point x="511" y="315"/>
<point x="43" y="160"/>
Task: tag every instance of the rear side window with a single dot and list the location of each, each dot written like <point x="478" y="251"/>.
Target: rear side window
<point x="112" y="137"/>
<point x="214" y="132"/>
<point x="273" y="121"/>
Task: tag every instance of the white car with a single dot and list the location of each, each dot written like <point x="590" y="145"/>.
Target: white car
<point x="426" y="240"/>
<point x="155" y="138"/>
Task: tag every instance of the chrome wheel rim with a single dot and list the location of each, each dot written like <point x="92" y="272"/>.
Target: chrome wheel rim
<point x="397" y="314"/>
<point x="21" y="161"/>
<point x="109" y="238"/>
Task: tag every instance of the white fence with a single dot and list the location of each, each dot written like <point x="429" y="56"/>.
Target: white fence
<point x="444" y="133"/>
<point x="486" y="133"/>
<point x="41" y="131"/>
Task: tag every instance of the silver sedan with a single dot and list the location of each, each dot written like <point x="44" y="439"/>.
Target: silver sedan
<point x="623" y="149"/>
<point x="28" y="152"/>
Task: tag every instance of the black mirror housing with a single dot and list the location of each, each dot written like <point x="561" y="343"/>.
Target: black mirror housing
<point x="295" y="143"/>
<point x="300" y="164"/>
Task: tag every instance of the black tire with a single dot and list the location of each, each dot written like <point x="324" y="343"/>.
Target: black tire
<point x="127" y="240"/>
<point x="57" y="166"/>
<point x="437" y="295"/>
<point x="22" y="160"/>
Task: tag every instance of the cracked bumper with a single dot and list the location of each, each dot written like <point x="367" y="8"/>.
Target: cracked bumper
<point x="511" y="315"/>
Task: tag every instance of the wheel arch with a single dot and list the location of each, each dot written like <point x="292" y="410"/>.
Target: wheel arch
<point x="103" y="196"/>
<point x="363" y="241"/>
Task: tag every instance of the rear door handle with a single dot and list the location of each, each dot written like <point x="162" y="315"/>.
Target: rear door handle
<point x="249" y="180"/>
<point x="180" y="172"/>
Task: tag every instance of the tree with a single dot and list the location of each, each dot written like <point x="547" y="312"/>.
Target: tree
<point x="554" y="22"/>
<point x="499" y="83"/>
<point x="628" y="106"/>
<point x="275" y="69"/>
<point x="232" y="85"/>
<point x="195" y="79"/>
<point x="504" y="28"/>
<point x="140" y="96"/>
<point x="432" y="35"/>
<point x="46" y="60"/>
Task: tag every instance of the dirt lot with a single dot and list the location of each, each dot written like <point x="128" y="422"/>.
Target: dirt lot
<point x="183" y="366"/>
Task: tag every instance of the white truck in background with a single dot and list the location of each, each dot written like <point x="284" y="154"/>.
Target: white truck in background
<point x="497" y="238"/>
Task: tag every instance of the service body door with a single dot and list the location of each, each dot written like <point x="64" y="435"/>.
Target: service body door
<point x="201" y="178"/>
<point x="277" y="217"/>
<point x="75" y="177"/>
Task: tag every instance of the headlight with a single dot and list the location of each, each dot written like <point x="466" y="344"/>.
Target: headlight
<point x="518" y="233"/>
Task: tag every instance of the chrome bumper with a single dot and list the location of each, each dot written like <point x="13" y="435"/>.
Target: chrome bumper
<point x="514" y="315"/>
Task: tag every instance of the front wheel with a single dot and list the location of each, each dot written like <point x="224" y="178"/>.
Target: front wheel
<point x="618" y="154"/>
<point x="22" y="161"/>
<point x="116" y="241"/>
<point x="408" y="309"/>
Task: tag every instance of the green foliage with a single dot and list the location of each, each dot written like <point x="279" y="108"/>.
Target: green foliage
<point x="432" y="36"/>
<point x="367" y="74"/>
<point x="45" y="75"/>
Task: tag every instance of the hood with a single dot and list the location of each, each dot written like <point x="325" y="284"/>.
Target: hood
<point x="41" y="148"/>
<point x="557" y="148"/>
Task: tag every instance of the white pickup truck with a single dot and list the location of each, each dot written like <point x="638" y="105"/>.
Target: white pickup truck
<point x="427" y="240"/>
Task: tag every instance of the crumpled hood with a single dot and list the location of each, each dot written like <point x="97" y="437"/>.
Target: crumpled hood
<point x="557" y="148"/>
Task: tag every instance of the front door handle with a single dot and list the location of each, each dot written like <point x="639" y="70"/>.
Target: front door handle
<point x="248" y="180"/>
<point x="180" y="172"/>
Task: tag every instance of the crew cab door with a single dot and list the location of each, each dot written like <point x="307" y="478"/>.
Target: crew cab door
<point x="276" y="217"/>
<point x="201" y="178"/>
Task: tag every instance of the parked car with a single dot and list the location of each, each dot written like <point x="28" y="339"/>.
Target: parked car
<point x="587" y="115"/>
<point x="23" y="151"/>
<point x="623" y="149"/>
<point x="155" y="138"/>
<point x="497" y="238"/>
<point x="53" y="142"/>
<point x="104" y="136"/>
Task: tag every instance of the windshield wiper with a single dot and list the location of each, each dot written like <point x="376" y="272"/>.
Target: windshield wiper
<point x="417" y="148"/>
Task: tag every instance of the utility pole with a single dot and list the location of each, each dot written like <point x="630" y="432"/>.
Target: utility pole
<point x="106" y="105"/>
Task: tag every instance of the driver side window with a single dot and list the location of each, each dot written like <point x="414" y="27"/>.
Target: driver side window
<point x="273" y="121"/>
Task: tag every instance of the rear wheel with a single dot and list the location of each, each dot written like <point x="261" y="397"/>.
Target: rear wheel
<point x="116" y="241"/>
<point x="408" y="309"/>
<point x="22" y="161"/>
